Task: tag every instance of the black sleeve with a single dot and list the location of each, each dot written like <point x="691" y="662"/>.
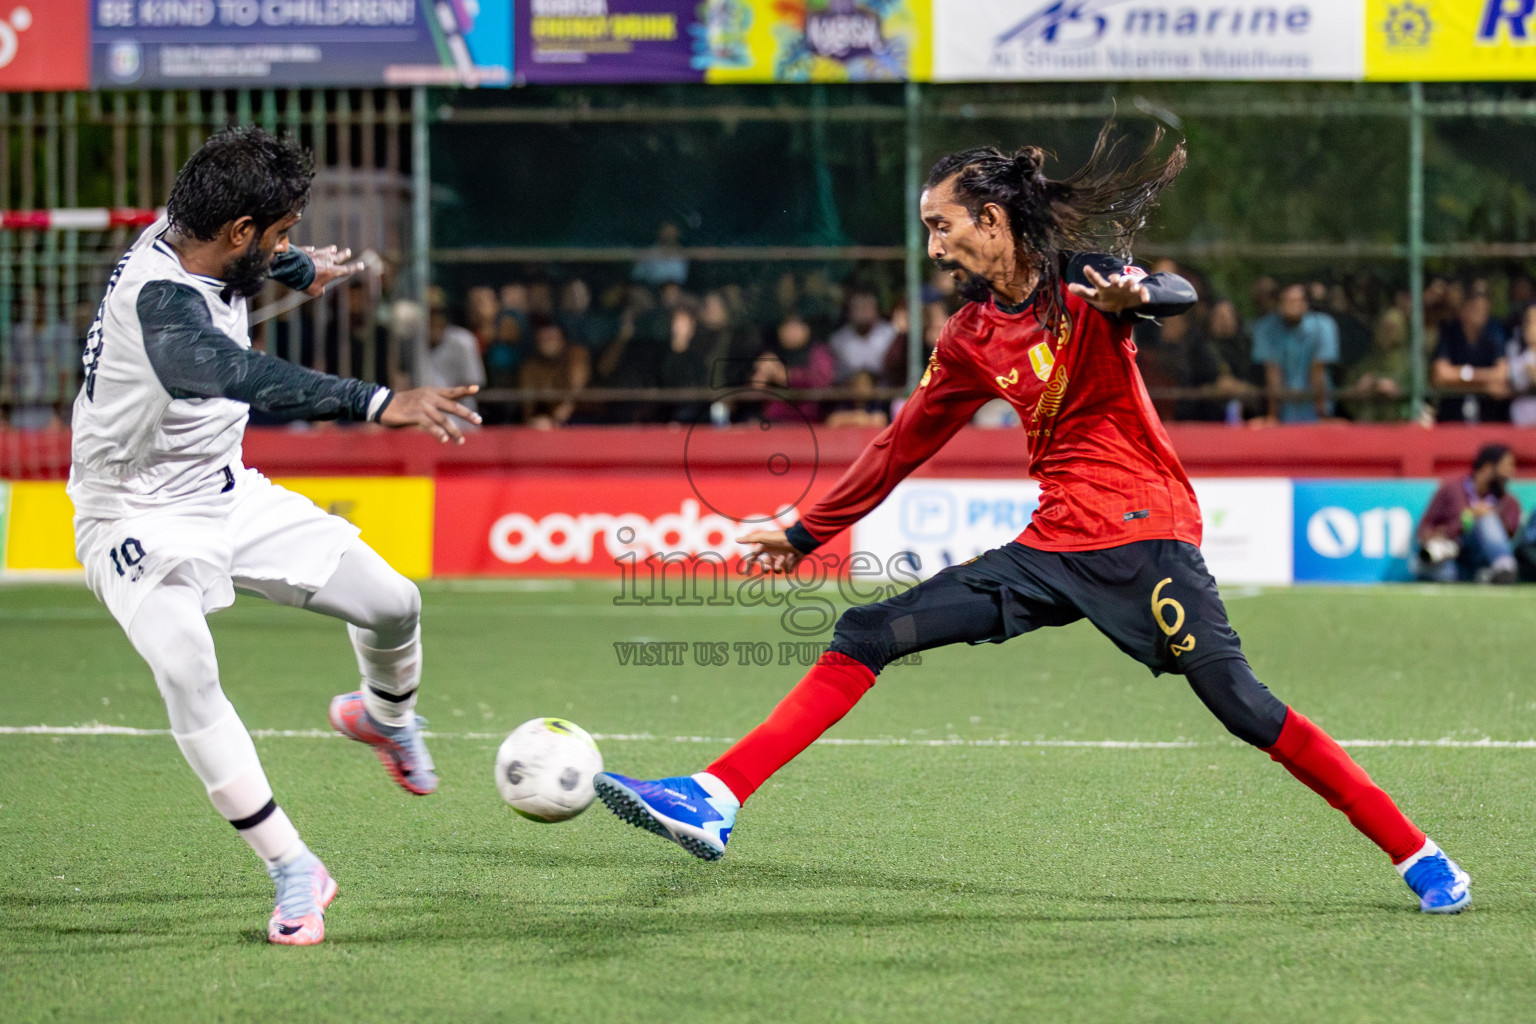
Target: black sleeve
<point x="1167" y="294"/>
<point x="293" y="269"/>
<point x="194" y="359"/>
<point x="800" y="538"/>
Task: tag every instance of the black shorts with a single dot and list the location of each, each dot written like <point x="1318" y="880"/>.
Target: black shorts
<point x="1154" y="598"/>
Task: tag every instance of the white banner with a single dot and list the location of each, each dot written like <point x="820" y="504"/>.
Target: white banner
<point x="1248" y="535"/>
<point x="1013" y="40"/>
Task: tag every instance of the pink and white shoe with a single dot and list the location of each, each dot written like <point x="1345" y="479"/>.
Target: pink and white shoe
<point x="400" y="748"/>
<point x="304" y="889"/>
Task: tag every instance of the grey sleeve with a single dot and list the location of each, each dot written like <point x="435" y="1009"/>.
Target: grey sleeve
<point x="1167" y="294"/>
<point x="293" y="269"/>
<point x="194" y="359"/>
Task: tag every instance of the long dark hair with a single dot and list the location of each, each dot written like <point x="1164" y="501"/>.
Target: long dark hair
<point x="1098" y="208"/>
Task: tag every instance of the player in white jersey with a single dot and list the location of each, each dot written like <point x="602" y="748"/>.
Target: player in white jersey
<point x="169" y="523"/>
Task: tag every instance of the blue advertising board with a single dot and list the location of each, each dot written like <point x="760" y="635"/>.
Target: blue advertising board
<point x="292" y="43"/>
<point x="1357" y="531"/>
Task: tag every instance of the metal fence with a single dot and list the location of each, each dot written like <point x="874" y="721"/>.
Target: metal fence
<point x="122" y="149"/>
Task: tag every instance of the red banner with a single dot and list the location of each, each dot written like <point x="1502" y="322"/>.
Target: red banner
<point x="44" y="45"/>
<point x="594" y="524"/>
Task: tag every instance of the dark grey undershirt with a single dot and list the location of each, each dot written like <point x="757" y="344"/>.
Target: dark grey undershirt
<point x="194" y="359"/>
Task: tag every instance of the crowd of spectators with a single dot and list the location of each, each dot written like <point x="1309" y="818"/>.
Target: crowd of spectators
<point x="1295" y="351"/>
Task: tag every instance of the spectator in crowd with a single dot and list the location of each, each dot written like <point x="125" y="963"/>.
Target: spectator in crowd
<point x="1385" y="373"/>
<point x="632" y="358"/>
<point x="1225" y="328"/>
<point x="1465" y="533"/>
<point x="796" y="361"/>
<point x="1265" y="295"/>
<point x="663" y="263"/>
<point x="582" y="327"/>
<point x="1296" y="346"/>
<point x="729" y="351"/>
<point x="1354" y="333"/>
<point x="503" y="361"/>
<point x="553" y="365"/>
<point x="859" y="346"/>
<point x="821" y="301"/>
<point x="1522" y="292"/>
<point x="514" y="302"/>
<point x="482" y="309"/>
<point x="541" y="300"/>
<point x="452" y="356"/>
<point x="683" y="366"/>
<point x="1470" y="361"/>
<point x="865" y="410"/>
<point x="934" y="317"/>
<point x="40" y="374"/>
<point x="1520" y="353"/>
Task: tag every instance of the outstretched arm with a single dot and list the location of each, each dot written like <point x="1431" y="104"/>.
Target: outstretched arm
<point x="1117" y="288"/>
<point x="308" y="269"/>
<point x="194" y="359"/>
<point x="940" y="406"/>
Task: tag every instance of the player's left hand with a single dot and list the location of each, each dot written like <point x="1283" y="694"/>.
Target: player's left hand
<point x="1114" y="294"/>
<point x="772" y="551"/>
<point x="331" y="264"/>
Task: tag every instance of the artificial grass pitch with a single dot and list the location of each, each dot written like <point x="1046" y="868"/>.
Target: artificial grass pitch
<point x="931" y="875"/>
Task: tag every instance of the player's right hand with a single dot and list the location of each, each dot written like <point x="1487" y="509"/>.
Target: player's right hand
<point x="772" y="550"/>
<point x="432" y="410"/>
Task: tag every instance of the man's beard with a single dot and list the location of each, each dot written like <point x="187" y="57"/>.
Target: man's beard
<point x="1496" y="488"/>
<point x="246" y="274"/>
<point x="970" y="287"/>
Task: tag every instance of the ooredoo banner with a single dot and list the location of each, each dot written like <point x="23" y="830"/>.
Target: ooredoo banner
<point x="584" y="525"/>
<point x="1063" y="40"/>
<point x="285" y="43"/>
<point x="44" y="45"/>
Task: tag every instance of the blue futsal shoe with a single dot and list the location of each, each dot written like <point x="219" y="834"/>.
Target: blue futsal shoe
<point x="694" y="811"/>
<point x="1439" y="882"/>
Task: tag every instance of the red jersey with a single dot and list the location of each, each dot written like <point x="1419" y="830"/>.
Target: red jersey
<point x="1108" y="474"/>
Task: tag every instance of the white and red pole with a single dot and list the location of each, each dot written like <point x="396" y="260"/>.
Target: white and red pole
<point x="89" y="218"/>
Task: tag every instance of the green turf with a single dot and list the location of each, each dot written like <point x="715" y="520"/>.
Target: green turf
<point x="891" y="883"/>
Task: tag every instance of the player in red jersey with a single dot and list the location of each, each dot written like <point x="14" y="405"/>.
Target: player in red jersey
<point x="1115" y="539"/>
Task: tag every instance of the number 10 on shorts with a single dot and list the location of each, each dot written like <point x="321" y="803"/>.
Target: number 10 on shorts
<point x="128" y="560"/>
<point x="1161" y="607"/>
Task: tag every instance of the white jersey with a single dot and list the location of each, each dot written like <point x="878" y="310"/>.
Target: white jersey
<point x="136" y="448"/>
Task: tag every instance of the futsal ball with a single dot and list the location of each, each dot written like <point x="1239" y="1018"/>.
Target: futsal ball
<point x="544" y="769"/>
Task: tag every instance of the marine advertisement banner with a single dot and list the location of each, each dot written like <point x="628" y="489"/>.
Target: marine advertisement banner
<point x="1065" y="40"/>
<point x="1450" y="40"/>
<point x="288" y="43"/>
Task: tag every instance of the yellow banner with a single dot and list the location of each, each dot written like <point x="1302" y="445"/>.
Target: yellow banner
<point x="1450" y="40"/>
<point x="394" y="513"/>
<point x="818" y="40"/>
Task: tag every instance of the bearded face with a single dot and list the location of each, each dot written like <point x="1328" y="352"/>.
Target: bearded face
<point x="969" y="285"/>
<point x="246" y="273"/>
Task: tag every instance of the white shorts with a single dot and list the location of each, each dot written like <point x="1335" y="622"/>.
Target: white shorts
<point x="268" y="541"/>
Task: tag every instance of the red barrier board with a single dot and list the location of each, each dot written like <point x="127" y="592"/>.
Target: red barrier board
<point x="44" y="45"/>
<point x="594" y="524"/>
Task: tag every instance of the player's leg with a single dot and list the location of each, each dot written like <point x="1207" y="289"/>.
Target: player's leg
<point x="382" y="610"/>
<point x="1158" y="602"/>
<point x="699" y="811"/>
<point x="170" y="632"/>
<point x="290" y="552"/>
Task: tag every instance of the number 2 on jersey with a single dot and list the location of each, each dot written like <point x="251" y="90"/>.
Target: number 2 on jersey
<point x="1162" y="604"/>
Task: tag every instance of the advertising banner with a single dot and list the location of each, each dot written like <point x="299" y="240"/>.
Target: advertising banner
<point x="1357" y="531"/>
<point x="530" y="524"/>
<point x="286" y="43"/>
<point x="818" y="40"/>
<point x="1450" y="40"/>
<point x="37" y="535"/>
<point x="1064" y="40"/>
<point x="945" y="522"/>
<point x="565" y="41"/>
<point x="44" y="45"/>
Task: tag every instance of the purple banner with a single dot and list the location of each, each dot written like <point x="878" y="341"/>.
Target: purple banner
<point x="569" y="41"/>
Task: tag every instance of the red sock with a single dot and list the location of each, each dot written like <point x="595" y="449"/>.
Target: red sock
<point x="1311" y="755"/>
<point x="828" y="692"/>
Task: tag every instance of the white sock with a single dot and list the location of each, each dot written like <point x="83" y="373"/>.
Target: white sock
<point x="224" y="757"/>
<point x="715" y="788"/>
<point x="1429" y="849"/>
<point x="390" y="675"/>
